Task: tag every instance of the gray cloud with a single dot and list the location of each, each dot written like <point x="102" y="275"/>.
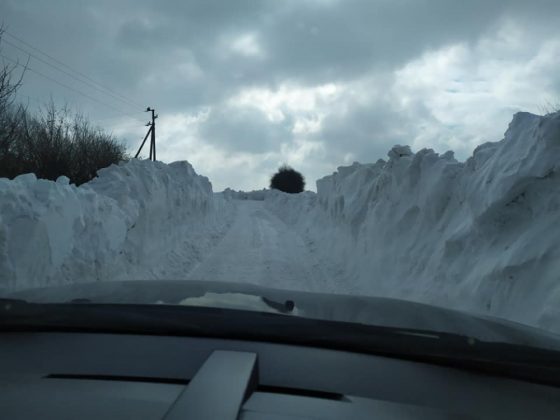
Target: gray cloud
<point x="180" y="56"/>
<point x="367" y="131"/>
<point x="244" y="130"/>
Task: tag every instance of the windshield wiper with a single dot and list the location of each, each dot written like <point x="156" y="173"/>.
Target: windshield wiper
<point x="286" y="307"/>
<point x="515" y="361"/>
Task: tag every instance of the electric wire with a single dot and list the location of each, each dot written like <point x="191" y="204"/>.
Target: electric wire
<point x="70" y="74"/>
<point x="84" y="76"/>
<point x="17" y="63"/>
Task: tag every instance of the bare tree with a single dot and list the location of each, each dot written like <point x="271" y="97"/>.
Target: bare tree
<point x="10" y="114"/>
<point x="51" y="144"/>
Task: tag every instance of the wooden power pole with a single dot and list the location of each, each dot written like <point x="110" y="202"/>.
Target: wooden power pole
<point x="152" y="133"/>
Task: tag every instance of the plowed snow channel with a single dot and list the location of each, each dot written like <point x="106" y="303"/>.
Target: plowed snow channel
<point x="261" y="249"/>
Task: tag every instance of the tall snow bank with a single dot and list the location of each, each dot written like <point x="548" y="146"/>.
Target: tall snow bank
<point x="482" y="235"/>
<point x="257" y="195"/>
<point x="129" y="222"/>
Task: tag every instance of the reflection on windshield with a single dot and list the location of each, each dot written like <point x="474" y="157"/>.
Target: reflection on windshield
<point x="239" y="301"/>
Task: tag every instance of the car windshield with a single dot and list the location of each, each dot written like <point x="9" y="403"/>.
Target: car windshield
<point x="383" y="163"/>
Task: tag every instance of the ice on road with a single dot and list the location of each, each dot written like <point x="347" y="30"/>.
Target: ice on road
<point x="261" y="249"/>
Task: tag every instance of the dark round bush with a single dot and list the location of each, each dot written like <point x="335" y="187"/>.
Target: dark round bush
<point x="287" y="180"/>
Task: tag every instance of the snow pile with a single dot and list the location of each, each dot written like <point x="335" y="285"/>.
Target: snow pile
<point x="129" y="222"/>
<point x="480" y="235"/>
<point x="257" y="195"/>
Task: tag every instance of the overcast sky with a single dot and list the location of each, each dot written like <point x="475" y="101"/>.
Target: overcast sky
<point x="242" y="86"/>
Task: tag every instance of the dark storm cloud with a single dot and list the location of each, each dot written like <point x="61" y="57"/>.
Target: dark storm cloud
<point x="346" y="39"/>
<point x="319" y="40"/>
<point x="315" y="41"/>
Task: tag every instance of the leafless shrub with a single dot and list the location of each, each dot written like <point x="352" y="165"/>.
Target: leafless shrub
<point x="57" y="143"/>
<point x="52" y="144"/>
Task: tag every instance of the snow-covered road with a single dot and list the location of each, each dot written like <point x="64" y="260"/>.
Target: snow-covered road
<point x="261" y="249"/>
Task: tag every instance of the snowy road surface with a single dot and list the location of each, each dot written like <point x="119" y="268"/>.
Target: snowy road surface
<point x="261" y="249"/>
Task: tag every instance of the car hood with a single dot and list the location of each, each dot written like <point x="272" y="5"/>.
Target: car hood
<point x="378" y="311"/>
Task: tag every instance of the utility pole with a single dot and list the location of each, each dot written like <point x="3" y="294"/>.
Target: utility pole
<point x="152" y="133"/>
<point x="153" y="139"/>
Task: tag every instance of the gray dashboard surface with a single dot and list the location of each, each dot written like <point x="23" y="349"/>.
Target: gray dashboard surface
<point x="79" y="375"/>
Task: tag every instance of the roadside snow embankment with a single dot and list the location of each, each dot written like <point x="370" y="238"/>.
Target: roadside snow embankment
<point x="482" y="235"/>
<point x="135" y="220"/>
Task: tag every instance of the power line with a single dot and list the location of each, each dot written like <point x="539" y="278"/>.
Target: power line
<point x="70" y="74"/>
<point x="117" y="116"/>
<point x="17" y="63"/>
<point x="110" y="91"/>
<point x="71" y="69"/>
<point x="40" y="103"/>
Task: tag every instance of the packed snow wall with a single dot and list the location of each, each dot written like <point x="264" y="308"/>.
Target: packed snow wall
<point x="131" y="221"/>
<point x="482" y="235"/>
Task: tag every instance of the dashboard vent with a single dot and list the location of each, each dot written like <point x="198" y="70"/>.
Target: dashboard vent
<point x="174" y="381"/>
<point x="302" y="392"/>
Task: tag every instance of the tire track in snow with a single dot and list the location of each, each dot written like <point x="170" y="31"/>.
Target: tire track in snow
<point x="261" y="249"/>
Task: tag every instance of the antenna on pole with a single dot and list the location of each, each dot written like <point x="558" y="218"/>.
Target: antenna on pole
<point x="152" y="133"/>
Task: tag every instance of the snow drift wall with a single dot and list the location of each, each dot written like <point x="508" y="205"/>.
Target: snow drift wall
<point x="258" y="195"/>
<point x="126" y="223"/>
<point x="481" y="235"/>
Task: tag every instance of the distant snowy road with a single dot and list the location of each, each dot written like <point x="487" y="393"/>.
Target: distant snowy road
<point x="261" y="249"/>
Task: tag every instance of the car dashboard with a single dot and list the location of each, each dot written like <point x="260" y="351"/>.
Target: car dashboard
<point x="70" y="375"/>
